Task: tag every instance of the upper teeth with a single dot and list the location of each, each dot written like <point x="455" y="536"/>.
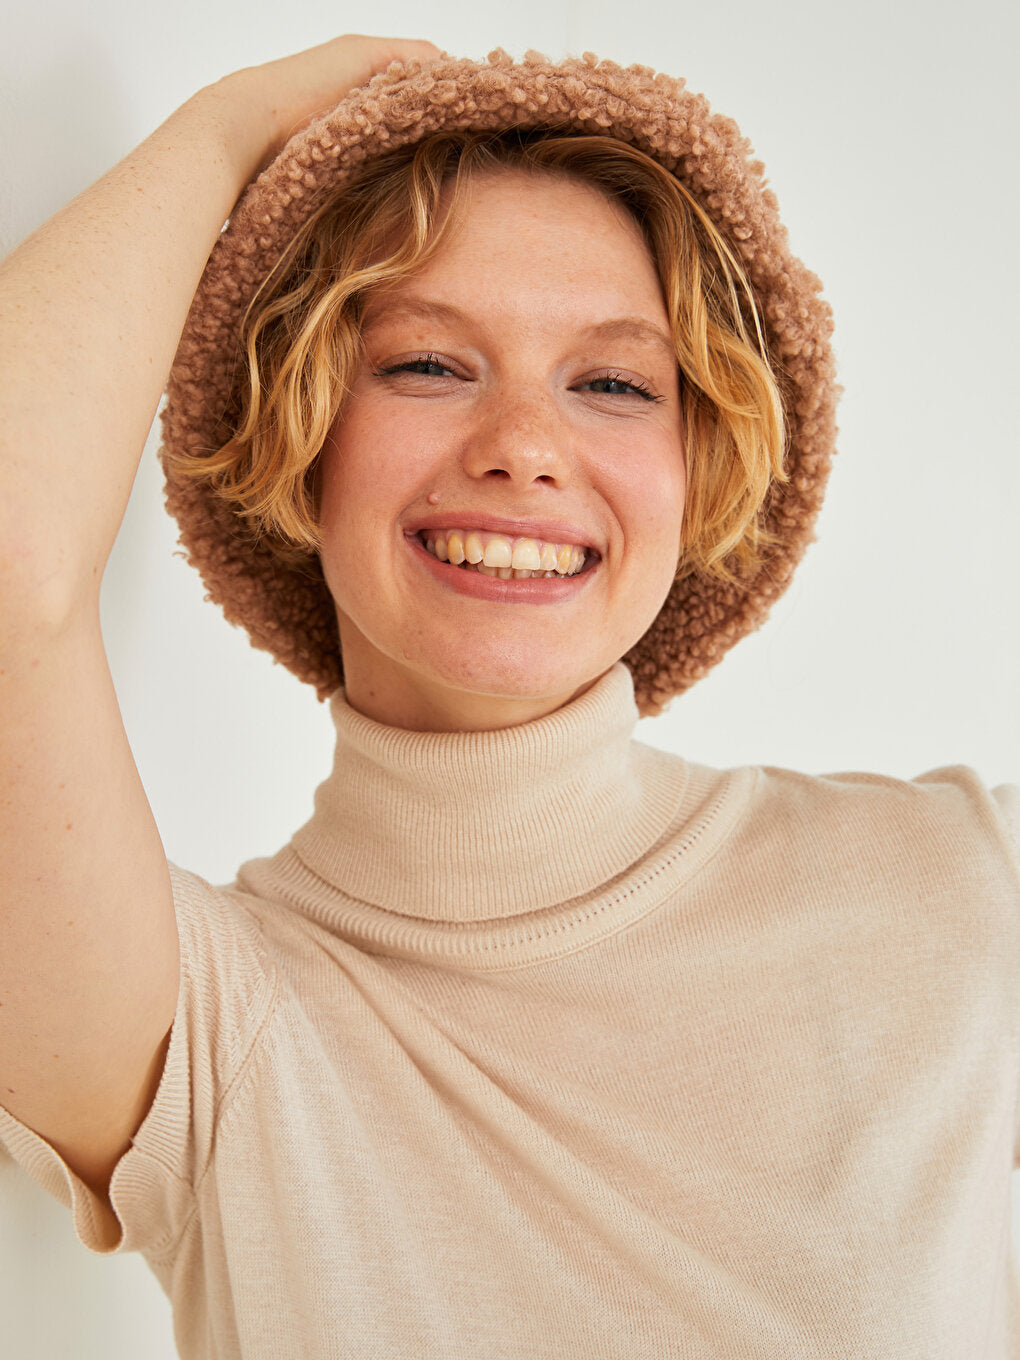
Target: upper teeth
<point x="517" y="556"/>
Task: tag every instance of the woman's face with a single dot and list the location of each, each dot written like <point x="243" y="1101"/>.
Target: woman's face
<point x="521" y="386"/>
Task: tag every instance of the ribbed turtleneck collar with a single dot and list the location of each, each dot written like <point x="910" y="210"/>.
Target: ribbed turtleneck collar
<point x="483" y="826"/>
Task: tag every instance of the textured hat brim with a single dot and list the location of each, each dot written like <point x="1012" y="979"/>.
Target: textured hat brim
<point x="286" y="608"/>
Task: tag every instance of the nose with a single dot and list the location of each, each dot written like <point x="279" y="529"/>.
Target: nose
<point x="523" y="440"/>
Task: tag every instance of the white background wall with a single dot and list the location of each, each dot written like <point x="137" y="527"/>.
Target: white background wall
<point x="889" y="133"/>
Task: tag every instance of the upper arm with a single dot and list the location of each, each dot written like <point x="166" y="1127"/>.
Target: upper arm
<point x="89" y="962"/>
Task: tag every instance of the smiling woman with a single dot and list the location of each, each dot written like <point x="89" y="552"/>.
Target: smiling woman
<point x="500" y="411"/>
<point x="580" y="226"/>
<point x="517" y="437"/>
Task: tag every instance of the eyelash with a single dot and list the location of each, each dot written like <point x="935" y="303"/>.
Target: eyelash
<point x="431" y="360"/>
<point x="640" y="388"/>
<point x="409" y="365"/>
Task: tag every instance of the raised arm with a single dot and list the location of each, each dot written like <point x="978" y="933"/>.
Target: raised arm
<point x="91" y="310"/>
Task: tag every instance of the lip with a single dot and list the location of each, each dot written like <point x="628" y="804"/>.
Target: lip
<point x="548" y="531"/>
<point x="532" y="590"/>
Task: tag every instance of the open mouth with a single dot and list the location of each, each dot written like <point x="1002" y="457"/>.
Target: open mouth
<point x="498" y="555"/>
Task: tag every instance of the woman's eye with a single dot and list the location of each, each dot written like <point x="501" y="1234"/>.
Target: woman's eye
<point x="612" y="385"/>
<point x="428" y="366"/>
<point x="605" y="385"/>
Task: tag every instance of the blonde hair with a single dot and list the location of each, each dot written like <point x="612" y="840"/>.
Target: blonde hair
<point x="301" y="336"/>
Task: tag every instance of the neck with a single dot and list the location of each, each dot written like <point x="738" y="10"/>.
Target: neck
<point x="471" y="826"/>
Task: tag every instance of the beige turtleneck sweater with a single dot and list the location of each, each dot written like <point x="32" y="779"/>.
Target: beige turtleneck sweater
<point x="541" y="1044"/>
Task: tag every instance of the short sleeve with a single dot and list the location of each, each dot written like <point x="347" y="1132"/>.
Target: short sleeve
<point x="227" y="991"/>
<point x="1007" y="796"/>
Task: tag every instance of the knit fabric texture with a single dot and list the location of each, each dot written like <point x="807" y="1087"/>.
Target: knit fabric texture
<point x="287" y="608"/>
<point x="633" y="1060"/>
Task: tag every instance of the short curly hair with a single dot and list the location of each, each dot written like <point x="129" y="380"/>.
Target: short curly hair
<point x="302" y="339"/>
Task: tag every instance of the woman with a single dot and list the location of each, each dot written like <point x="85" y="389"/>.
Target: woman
<point x="533" y="1041"/>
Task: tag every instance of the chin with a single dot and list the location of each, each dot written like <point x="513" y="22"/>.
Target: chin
<point x="469" y="676"/>
<point x="520" y="678"/>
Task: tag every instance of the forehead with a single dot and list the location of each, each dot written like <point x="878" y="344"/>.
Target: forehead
<point x="413" y="309"/>
<point x="539" y="245"/>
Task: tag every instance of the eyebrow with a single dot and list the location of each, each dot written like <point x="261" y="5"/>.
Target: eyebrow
<point x="633" y="328"/>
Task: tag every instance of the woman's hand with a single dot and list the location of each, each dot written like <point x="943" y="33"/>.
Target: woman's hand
<point x="281" y="97"/>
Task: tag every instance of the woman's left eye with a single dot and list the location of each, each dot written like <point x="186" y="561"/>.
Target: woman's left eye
<point x="613" y="385"/>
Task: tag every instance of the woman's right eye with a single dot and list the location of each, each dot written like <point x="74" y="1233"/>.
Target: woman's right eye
<point x="428" y="366"/>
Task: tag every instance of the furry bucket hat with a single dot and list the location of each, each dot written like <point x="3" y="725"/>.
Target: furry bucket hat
<point x="287" y="608"/>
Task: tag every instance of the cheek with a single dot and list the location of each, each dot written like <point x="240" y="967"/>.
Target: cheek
<point x="347" y="511"/>
<point x="374" y="468"/>
<point x="649" y="487"/>
<point x="669" y="493"/>
<point x="358" y="465"/>
<point x="377" y="457"/>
